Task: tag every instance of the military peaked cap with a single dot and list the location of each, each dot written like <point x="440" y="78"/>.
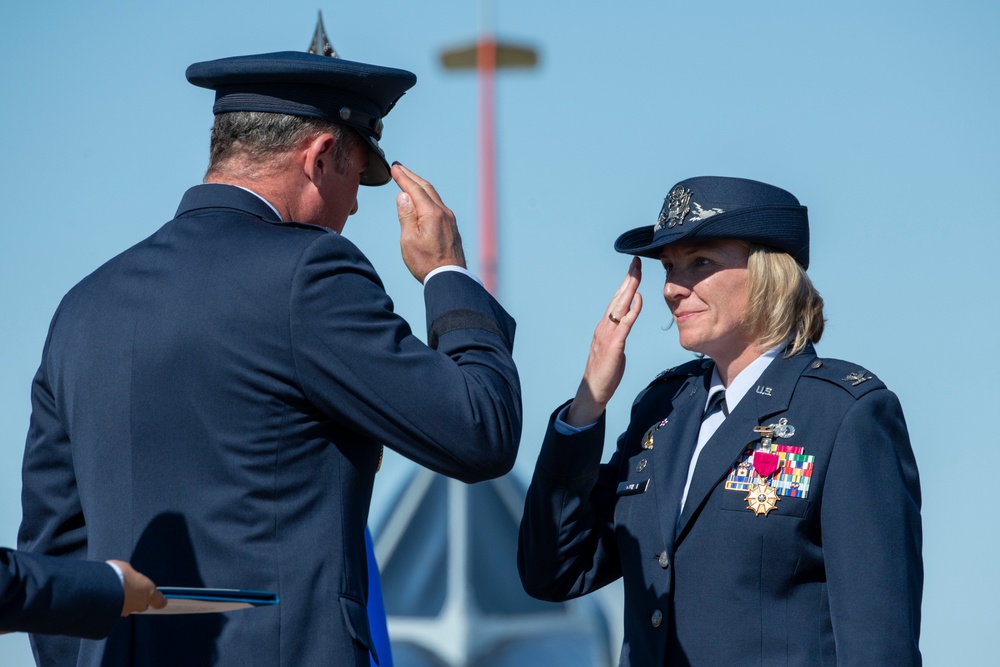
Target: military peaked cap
<point x="357" y="95"/>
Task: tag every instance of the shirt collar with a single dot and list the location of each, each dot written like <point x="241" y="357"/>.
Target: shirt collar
<point x="741" y="384"/>
<point x="262" y="199"/>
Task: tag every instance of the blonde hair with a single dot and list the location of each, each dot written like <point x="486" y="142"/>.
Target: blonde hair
<point x="781" y="301"/>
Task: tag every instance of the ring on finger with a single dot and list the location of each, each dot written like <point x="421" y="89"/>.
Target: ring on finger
<point x="614" y="319"/>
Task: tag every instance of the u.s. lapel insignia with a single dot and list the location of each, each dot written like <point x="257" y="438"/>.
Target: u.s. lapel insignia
<point x="762" y="499"/>
<point x="857" y="378"/>
<point x="647" y="439"/>
<point x="764" y="391"/>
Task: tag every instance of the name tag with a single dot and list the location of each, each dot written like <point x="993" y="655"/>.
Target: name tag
<point x="632" y="488"/>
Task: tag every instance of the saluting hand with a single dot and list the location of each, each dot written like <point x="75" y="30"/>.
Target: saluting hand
<point x="606" y="363"/>
<point x="429" y="235"/>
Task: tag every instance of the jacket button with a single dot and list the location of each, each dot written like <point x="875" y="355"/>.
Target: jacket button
<point x="664" y="561"/>
<point x="816" y="364"/>
<point x="656" y="618"/>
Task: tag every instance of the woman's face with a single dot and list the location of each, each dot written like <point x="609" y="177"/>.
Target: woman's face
<point x="706" y="291"/>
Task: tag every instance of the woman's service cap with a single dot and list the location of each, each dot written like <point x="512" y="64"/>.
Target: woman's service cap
<point x="354" y="94"/>
<point x="717" y="207"/>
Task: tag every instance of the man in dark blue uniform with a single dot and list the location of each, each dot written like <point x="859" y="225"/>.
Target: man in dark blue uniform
<point x="763" y="505"/>
<point x="65" y="596"/>
<point x="215" y="400"/>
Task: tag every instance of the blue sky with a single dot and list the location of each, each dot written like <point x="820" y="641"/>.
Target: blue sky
<point x="881" y="117"/>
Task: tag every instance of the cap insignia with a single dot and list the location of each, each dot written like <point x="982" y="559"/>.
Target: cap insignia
<point x="698" y="213"/>
<point x="675" y="210"/>
<point x="679" y="208"/>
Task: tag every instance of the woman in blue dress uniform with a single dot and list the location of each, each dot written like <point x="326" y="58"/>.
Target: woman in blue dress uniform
<point x="763" y="504"/>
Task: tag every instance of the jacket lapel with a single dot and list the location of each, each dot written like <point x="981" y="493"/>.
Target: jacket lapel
<point x="770" y="396"/>
<point x="673" y="446"/>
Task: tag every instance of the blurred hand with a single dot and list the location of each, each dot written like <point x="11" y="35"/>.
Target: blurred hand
<point x="606" y="363"/>
<point x="429" y="235"/>
<point x="140" y="592"/>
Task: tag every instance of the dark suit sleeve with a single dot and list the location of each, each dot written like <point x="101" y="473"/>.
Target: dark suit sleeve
<point x="872" y="536"/>
<point x="47" y="595"/>
<point x="566" y="546"/>
<point x="454" y="406"/>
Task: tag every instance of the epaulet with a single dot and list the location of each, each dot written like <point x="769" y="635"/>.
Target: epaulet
<point x="686" y="370"/>
<point x="693" y="367"/>
<point x="854" y="379"/>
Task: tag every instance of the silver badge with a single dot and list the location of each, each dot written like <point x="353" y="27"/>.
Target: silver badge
<point x="675" y="210"/>
<point x="679" y="208"/>
<point x="783" y="429"/>
<point x="857" y="378"/>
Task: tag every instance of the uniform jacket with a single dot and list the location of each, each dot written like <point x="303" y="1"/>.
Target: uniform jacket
<point x="211" y="405"/>
<point x="833" y="577"/>
<point x="57" y="595"/>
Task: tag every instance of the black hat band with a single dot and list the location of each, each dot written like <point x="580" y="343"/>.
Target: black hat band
<point x="300" y="100"/>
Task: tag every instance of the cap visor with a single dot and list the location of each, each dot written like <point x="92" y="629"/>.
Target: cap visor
<point x="377" y="172"/>
<point x="639" y="241"/>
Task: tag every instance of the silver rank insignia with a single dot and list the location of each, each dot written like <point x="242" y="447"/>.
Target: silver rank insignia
<point x="857" y="378"/>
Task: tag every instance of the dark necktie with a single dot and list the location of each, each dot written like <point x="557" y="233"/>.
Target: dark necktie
<point x="717" y="402"/>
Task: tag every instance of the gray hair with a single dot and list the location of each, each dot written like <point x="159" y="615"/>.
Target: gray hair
<point x="246" y="143"/>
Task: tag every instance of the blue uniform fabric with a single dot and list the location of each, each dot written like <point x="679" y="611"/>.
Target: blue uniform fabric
<point x="63" y="596"/>
<point x="212" y="403"/>
<point x="834" y="578"/>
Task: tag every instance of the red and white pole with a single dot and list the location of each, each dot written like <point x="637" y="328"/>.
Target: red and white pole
<point x="486" y="66"/>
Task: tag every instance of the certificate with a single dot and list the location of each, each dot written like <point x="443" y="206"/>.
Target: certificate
<point x="209" y="600"/>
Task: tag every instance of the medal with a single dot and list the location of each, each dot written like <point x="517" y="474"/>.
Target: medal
<point x="765" y="463"/>
<point x="769" y="466"/>
<point x="762" y="499"/>
<point x="647" y="440"/>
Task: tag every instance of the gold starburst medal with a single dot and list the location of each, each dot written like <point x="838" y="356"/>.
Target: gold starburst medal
<point x="761" y="499"/>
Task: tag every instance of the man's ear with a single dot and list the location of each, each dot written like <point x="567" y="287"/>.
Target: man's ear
<point x="318" y="157"/>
